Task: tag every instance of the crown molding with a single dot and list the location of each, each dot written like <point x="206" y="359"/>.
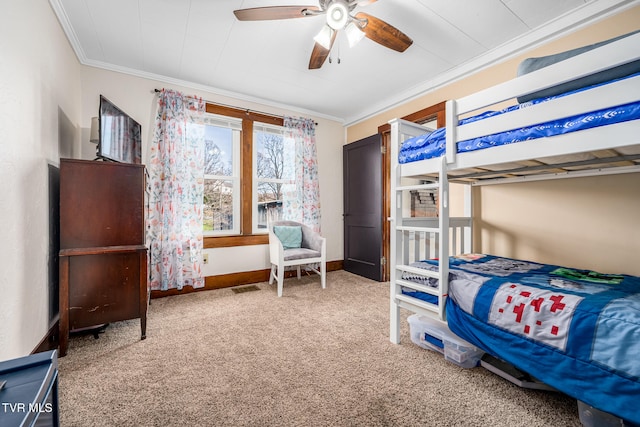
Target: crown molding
<point x="82" y="58"/>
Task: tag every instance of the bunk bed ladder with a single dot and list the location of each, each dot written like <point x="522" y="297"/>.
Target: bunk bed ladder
<point x="402" y="250"/>
<point x="400" y="236"/>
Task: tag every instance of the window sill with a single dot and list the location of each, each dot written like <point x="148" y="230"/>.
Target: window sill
<point x="230" y="241"/>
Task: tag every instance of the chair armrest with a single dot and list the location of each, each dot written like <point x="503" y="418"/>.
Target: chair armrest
<point x="312" y="240"/>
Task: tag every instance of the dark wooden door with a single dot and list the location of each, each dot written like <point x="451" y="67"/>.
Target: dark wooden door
<point x="362" y="163"/>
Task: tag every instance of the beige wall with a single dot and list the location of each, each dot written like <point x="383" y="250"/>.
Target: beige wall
<point x="39" y="121"/>
<point x="582" y="222"/>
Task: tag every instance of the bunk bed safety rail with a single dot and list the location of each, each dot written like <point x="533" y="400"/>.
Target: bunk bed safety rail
<point x="421" y="239"/>
<point x="614" y="54"/>
<point x="606" y="57"/>
<point x="597" y="98"/>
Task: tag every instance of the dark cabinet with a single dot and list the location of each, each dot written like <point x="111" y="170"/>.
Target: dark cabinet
<point x="103" y="257"/>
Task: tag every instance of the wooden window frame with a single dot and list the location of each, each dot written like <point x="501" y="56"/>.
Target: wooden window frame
<point x="246" y="236"/>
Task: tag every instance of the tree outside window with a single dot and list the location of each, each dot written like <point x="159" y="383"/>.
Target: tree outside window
<point x="270" y="176"/>
<point x="221" y="180"/>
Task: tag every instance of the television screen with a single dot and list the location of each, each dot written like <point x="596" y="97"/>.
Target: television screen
<point x="120" y="135"/>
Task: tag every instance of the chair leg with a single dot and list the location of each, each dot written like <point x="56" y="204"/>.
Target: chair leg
<point x="298" y="268"/>
<point x="272" y="274"/>
<point x="323" y="274"/>
<point x="280" y="280"/>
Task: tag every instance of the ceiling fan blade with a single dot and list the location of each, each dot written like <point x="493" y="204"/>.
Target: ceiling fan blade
<point x="275" y="12"/>
<point x="384" y="33"/>
<point x="320" y="54"/>
<point x="365" y="2"/>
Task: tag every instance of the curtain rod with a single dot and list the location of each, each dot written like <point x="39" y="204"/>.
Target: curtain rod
<point x="242" y="109"/>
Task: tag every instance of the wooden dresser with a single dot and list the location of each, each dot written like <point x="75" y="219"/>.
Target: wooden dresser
<point x="103" y="257"/>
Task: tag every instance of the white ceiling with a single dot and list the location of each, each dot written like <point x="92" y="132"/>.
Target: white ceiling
<point x="200" y="44"/>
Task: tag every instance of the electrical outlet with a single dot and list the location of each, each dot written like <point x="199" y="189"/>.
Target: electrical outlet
<point x="205" y="258"/>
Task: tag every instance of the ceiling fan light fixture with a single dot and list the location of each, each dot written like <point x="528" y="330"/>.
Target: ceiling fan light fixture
<point x="354" y="33"/>
<point x="338" y="14"/>
<point x="323" y="38"/>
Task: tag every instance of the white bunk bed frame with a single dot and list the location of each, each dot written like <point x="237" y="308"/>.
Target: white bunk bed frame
<point x="615" y="149"/>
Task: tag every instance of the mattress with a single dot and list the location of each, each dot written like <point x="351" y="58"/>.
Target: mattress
<point x="576" y="330"/>
<point x="433" y="144"/>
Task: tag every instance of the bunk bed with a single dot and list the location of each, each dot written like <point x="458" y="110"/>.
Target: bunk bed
<point x="590" y="352"/>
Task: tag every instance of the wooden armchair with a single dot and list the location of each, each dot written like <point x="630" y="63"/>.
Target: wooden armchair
<point x="294" y="244"/>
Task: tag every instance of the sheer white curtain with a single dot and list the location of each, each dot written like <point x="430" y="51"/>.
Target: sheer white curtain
<point x="301" y="199"/>
<point x="176" y="181"/>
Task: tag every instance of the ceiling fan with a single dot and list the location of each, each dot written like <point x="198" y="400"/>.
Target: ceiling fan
<point x="338" y="17"/>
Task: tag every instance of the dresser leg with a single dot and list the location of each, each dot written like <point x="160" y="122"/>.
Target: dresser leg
<point x="64" y="305"/>
<point x="144" y="293"/>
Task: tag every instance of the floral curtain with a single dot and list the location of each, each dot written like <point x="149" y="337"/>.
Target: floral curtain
<point x="176" y="181"/>
<point x="301" y="199"/>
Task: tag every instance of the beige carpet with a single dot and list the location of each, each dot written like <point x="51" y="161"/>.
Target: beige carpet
<point x="311" y="358"/>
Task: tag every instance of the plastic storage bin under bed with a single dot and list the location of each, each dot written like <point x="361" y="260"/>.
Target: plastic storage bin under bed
<point x="434" y="335"/>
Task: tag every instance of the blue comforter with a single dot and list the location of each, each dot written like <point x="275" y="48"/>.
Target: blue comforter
<point x="434" y="144"/>
<point x="576" y="330"/>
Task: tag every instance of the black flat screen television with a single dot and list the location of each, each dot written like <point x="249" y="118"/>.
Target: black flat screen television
<point x="120" y="135"/>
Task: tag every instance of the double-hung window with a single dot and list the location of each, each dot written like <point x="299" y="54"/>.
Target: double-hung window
<point x="221" y="210"/>
<point x="271" y="155"/>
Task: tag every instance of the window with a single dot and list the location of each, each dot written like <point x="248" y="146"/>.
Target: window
<point x="231" y="211"/>
<point x="431" y="123"/>
<point x="271" y="153"/>
<point x="221" y="211"/>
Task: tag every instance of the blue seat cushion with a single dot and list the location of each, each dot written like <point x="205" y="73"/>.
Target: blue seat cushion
<point x="289" y="235"/>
